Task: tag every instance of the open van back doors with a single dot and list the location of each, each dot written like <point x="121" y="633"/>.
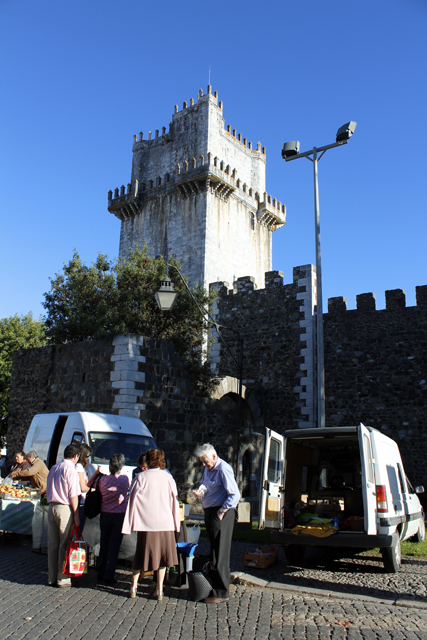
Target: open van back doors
<point x="272" y="490"/>
<point x="368" y="480"/>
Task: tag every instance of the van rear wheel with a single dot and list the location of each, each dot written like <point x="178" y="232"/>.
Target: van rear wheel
<point x="392" y="557"/>
<point x="295" y="554"/>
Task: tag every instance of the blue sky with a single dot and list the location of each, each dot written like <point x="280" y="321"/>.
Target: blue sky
<point x="79" y="79"/>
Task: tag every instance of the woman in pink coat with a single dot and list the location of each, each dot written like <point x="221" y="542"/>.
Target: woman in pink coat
<point x="153" y="512"/>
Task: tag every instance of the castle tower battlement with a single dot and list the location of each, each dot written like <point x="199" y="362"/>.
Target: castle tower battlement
<point x="197" y="191"/>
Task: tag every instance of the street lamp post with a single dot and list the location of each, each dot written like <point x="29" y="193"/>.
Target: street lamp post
<point x="290" y="151"/>
<point x="166" y="297"/>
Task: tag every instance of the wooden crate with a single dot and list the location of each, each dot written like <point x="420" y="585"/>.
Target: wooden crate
<point x="261" y="557"/>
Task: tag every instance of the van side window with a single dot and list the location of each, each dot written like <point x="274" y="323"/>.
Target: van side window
<point x="274" y="462"/>
<point x="401" y="480"/>
<point x="368" y="459"/>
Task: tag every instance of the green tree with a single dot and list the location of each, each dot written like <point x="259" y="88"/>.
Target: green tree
<point x="117" y="297"/>
<point x="81" y="303"/>
<point x="16" y="332"/>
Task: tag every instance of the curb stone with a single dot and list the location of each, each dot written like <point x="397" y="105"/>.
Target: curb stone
<point x="243" y="578"/>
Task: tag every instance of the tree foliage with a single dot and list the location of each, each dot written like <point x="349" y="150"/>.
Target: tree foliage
<point x="16" y="332"/>
<point x="113" y="297"/>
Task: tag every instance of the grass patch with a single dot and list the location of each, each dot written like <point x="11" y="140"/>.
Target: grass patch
<point x="414" y="549"/>
<point x="409" y="549"/>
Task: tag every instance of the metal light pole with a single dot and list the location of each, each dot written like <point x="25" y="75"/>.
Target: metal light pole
<point x="290" y="151"/>
<point x="165" y="299"/>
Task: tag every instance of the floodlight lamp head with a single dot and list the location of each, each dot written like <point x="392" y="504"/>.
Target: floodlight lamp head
<point x="290" y="149"/>
<point x="345" y="132"/>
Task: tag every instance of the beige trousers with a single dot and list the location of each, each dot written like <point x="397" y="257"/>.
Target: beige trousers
<point x="60" y="522"/>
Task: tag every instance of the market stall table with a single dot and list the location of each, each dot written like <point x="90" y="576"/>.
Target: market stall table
<point x="16" y="516"/>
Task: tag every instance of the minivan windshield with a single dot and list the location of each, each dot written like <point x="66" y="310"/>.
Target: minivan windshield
<point x="104" y="445"/>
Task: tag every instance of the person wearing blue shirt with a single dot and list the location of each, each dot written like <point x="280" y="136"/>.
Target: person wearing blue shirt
<point x="220" y="496"/>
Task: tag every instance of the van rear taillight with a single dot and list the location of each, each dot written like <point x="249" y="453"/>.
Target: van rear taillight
<point x="381" y="499"/>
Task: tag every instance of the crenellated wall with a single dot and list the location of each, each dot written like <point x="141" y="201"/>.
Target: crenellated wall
<point x="276" y="325"/>
<point x="375" y="361"/>
<point x="376" y="370"/>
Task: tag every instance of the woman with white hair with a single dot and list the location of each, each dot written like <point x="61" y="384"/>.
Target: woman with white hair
<point x="220" y="496"/>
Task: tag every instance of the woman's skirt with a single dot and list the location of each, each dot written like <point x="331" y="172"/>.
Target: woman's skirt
<point x="155" y="549"/>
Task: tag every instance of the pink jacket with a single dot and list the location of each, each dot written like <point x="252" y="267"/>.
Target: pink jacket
<point x="153" y="503"/>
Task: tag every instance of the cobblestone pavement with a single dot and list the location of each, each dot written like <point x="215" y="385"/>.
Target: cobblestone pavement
<point x="31" y="610"/>
<point x="360" y="575"/>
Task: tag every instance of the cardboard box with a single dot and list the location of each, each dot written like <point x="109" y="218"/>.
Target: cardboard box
<point x="261" y="557"/>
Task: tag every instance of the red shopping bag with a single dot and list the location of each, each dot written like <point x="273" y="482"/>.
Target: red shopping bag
<point x="75" y="563"/>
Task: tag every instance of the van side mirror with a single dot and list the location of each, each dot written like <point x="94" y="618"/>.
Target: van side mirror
<point x="419" y="489"/>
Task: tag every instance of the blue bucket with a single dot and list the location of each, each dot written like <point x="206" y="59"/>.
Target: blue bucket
<point x="187" y="548"/>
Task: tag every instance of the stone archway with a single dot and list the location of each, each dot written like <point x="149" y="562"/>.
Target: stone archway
<point x="251" y="437"/>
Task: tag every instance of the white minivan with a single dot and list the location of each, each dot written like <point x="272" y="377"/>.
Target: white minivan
<point x="106" y="434"/>
<point x="352" y="477"/>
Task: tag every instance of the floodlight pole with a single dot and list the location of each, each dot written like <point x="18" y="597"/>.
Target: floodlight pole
<point x="314" y="158"/>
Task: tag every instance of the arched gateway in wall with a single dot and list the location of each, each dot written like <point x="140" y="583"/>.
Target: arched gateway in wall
<point x="249" y="443"/>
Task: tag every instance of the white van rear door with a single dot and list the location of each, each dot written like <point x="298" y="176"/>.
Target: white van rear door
<point x="368" y="480"/>
<point x="271" y="503"/>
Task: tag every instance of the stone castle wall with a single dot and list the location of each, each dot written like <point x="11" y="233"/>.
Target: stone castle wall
<point x="69" y="377"/>
<point x="375" y="361"/>
<point x="272" y="322"/>
<point x="128" y="375"/>
<point x="376" y="371"/>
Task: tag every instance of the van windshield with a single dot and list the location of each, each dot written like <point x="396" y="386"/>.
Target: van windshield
<point x="104" y="445"/>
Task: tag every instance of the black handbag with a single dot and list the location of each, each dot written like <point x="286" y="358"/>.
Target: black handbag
<point x="93" y="501"/>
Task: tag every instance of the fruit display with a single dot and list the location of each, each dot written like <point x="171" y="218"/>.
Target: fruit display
<point x="15" y="493"/>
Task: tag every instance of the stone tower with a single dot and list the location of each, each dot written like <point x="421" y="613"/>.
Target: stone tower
<point x="197" y="192"/>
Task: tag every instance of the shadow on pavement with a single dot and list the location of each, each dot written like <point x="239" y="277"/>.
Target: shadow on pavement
<point x="360" y="575"/>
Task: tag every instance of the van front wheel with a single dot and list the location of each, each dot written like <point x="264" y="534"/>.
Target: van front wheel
<point x="392" y="557"/>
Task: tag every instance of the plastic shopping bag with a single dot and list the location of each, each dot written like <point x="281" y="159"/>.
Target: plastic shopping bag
<point x="75" y="563"/>
<point x="192" y="534"/>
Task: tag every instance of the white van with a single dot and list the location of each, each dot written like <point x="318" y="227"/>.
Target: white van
<point x="106" y="434"/>
<point x="354" y="474"/>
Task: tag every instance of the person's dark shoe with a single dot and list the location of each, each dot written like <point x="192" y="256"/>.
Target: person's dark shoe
<point x="110" y="580"/>
<point x="52" y="584"/>
<point x="215" y="600"/>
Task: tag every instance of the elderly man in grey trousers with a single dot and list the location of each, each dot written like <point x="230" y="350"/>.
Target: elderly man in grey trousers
<point x="220" y="496"/>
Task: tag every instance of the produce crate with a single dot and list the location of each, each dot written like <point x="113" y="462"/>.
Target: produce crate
<point x="261" y="557"/>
